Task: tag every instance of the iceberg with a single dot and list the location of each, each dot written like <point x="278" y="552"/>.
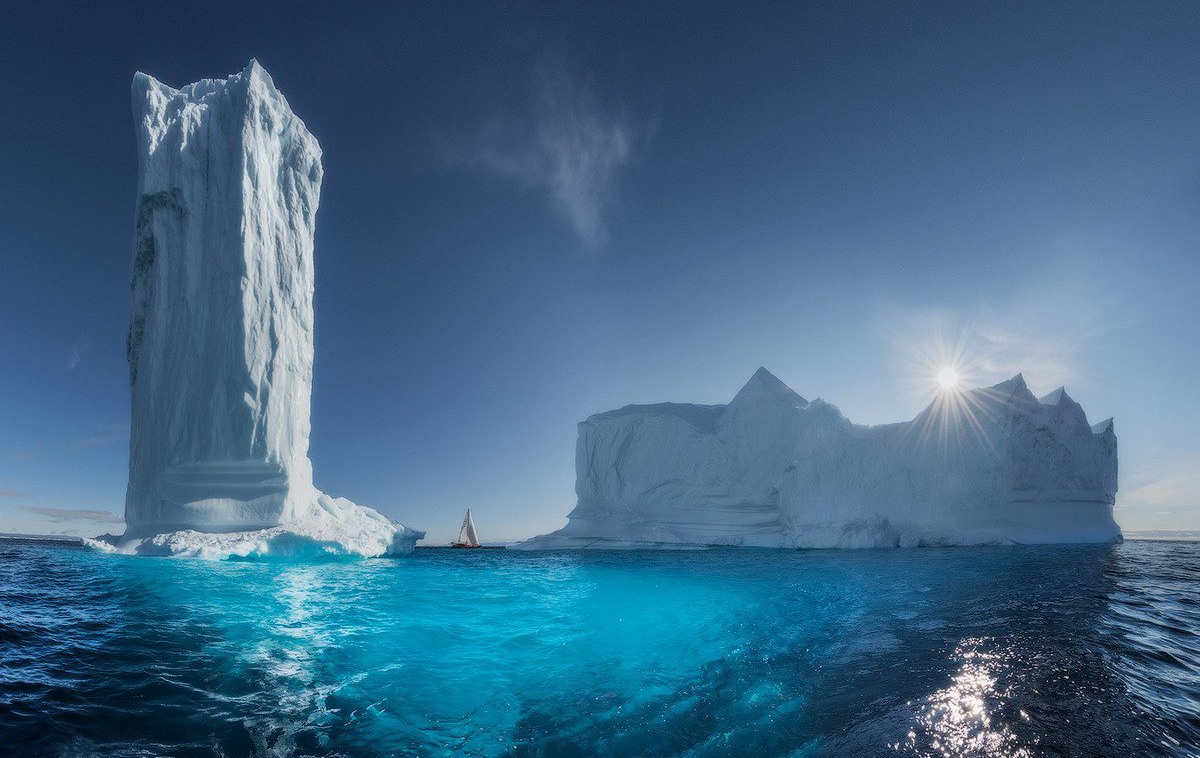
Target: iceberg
<point x="772" y="469"/>
<point x="220" y="342"/>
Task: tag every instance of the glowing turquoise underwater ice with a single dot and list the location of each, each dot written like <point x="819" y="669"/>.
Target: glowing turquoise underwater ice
<point x="1080" y="650"/>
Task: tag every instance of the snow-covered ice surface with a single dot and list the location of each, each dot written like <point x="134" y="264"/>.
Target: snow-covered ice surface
<point x="220" y="343"/>
<point x="771" y="469"/>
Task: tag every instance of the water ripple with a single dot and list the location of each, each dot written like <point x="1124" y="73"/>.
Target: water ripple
<point x="981" y="651"/>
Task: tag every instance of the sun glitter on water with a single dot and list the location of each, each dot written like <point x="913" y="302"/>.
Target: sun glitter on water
<point x="948" y="378"/>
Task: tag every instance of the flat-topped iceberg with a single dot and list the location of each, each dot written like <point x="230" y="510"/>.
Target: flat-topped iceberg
<point x="771" y="469"/>
<point x="220" y="343"/>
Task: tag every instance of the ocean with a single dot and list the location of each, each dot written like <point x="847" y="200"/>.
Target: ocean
<point x="1013" y="651"/>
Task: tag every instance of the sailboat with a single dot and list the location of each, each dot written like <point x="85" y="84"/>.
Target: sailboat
<point x="466" y="534"/>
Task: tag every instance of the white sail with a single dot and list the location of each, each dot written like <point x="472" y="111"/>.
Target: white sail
<point x="472" y="537"/>
<point x="466" y="534"/>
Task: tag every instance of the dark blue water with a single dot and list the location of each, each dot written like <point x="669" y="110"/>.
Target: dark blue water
<point x="971" y="651"/>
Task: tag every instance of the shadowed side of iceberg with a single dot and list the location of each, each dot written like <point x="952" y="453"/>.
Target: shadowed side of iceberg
<point x="994" y="465"/>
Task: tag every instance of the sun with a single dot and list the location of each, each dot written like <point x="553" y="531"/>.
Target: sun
<point x="948" y="378"/>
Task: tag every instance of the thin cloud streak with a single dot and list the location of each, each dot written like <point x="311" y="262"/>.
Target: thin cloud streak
<point x="109" y="434"/>
<point x="97" y="441"/>
<point x="58" y="515"/>
<point x="34" y="454"/>
<point x="14" y="494"/>
<point x="575" y="151"/>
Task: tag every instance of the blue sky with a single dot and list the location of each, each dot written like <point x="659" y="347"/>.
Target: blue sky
<point x="532" y="213"/>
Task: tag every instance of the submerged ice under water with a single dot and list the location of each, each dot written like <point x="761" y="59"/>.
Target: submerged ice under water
<point x="1081" y="650"/>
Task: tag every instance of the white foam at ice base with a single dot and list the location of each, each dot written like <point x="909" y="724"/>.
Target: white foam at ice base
<point x="333" y="527"/>
<point x="771" y="469"/>
<point x="220" y="343"/>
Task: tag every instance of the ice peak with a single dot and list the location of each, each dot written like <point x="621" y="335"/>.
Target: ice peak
<point x="254" y="73"/>
<point x="1056" y="397"/>
<point x="1012" y="389"/>
<point x="1104" y="426"/>
<point x="766" y="384"/>
<point x="143" y="86"/>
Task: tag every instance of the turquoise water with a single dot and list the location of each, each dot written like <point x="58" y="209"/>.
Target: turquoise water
<point x="976" y="651"/>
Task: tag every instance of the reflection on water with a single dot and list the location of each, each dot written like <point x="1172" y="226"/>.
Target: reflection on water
<point x="958" y="720"/>
<point x="981" y="651"/>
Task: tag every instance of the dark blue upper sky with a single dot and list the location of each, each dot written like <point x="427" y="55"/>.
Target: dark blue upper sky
<point x="534" y="212"/>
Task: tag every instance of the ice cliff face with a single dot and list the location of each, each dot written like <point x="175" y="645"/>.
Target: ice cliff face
<point x="772" y="469"/>
<point x="220" y="342"/>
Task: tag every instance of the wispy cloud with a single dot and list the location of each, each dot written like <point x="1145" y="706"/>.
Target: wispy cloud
<point x="110" y="434"/>
<point x="14" y="494"/>
<point x="58" y="515"/>
<point x="76" y="353"/>
<point x="570" y="146"/>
